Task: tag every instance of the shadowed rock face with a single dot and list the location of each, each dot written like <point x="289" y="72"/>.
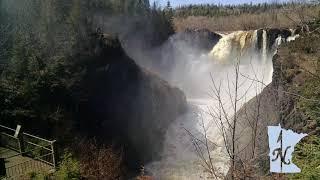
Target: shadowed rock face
<point x="127" y="103"/>
<point x="201" y="40"/>
<point x="278" y="102"/>
<point x="272" y="34"/>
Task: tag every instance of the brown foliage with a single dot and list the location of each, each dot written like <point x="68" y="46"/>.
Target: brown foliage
<point x="145" y="178"/>
<point x="99" y="162"/>
<point x="282" y="18"/>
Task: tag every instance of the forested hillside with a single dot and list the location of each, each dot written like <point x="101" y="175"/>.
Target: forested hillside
<point x="39" y="41"/>
<point x="245" y="16"/>
<point x="98" y="77"/>
<point x="213" y="10"/>
<point x="65" y="76"/>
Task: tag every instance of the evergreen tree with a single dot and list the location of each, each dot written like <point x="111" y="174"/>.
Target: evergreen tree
<point x="169" y="13"/>
<point x="47" y="35"/>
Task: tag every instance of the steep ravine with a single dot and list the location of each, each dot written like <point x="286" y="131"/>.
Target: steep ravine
<point x="192" y="74"/>
<point x="293" y="64"/>
<point x="121" y="103"/>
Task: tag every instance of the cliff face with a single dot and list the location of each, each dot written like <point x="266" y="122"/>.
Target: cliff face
<point x="127" y="103"/>
<point x="271" y="35"/>
<point x="295" y="65"/>
<point x="201" y="40"/>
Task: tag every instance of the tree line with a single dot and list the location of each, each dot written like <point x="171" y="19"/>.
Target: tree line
<point x="217" y="10"/>
<point x="39" y="42"/>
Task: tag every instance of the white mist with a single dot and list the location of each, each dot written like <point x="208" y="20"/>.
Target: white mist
<point x="192" y="74"/>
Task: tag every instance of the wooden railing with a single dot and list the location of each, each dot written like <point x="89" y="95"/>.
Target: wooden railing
<point x="40" y="150"/>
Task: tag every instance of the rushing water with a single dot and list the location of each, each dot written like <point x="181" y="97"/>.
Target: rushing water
<point x="179" y="158"/>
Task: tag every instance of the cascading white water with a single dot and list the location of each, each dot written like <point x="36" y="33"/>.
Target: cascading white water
<point x="264" y="46"/>
<point x="179" y="158"/>
<point x="234" y="45"/>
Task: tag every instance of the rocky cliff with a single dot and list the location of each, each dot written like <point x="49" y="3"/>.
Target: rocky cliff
<point x="201" y="40"/>
<point x="127" y="102"/>
<point x="296" y="65"/>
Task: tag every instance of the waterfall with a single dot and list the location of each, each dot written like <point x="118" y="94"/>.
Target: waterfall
<point x="264" y="46"/>
<point x="292" y="38"/>
<point x="292" y="31"/>
<point x="234" y="45"/>
<point x="179" y="159"/>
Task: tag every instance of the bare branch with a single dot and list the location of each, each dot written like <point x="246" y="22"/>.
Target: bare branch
<point x="289" y="93"/>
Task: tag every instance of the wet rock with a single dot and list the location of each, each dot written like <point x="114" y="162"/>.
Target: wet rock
<point x="273" y="33"/>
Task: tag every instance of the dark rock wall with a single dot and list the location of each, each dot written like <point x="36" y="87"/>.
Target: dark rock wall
<point x="278" y="103"/>
<point x="126" y="103"/>
<point x="201" y="40"/>
<point x="272" y="35"/>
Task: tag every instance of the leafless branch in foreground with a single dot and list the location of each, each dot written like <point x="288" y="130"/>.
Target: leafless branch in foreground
<point x="202" y="149"/>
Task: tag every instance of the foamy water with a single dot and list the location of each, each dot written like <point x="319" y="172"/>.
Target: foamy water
<point x="180" y="161"/>
<point x="179" y="158"/>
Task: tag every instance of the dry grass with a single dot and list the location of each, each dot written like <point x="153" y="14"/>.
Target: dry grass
<point x="99" y="162"/>
<point x="145" y="178"/>
<point x="284" y="18"/>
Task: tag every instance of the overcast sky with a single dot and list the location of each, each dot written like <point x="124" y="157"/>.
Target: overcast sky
<point x="175" y="3"/>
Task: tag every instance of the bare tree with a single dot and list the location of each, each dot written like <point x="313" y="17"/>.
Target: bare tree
<point x="300" y="13"/>
<point x="225" y="115"/>
<point x="253" y="118"/>
<point x="99" y="162"/>
<point x="203" y="151"/>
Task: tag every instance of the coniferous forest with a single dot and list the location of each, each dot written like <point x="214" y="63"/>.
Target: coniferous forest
<point x="40" y="41"/>
<point x="48" y="51"/>
<point x="109" y="80"/>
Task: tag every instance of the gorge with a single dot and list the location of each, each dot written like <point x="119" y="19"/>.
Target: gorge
<point x="254" y="51"/>
<point x="131" y="90"/>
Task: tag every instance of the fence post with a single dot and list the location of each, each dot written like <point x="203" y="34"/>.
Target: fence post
<point x="1" y="141"/>
<point x="2" y="168"/>
<point x="21" y="142"/>
<point x="53" y="158"/>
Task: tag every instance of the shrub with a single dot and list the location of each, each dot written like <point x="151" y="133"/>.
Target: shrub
<point x="307" y="157"/>
<point x="99" y="161"/>
<point x="69" y="168"/>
